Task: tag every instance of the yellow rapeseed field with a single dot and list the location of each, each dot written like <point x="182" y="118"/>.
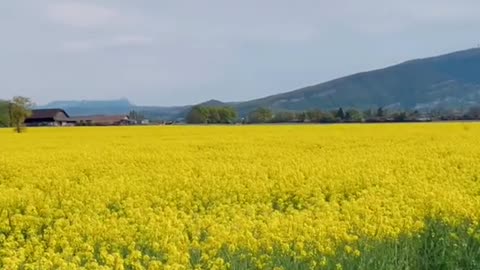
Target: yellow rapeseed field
<point x="265" y="197"/>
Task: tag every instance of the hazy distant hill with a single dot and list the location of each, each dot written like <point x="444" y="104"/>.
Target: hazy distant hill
<point x="163" y="113"/>
<point x="446" y="81"/>
<point x="92" y="107"/>
<point x="216" y="103"/>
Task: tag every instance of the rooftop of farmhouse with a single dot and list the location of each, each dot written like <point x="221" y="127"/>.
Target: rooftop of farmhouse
<point x="59" y="117"/>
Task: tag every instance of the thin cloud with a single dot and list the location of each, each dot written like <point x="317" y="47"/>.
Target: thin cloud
<point x="114" y="42"/>
<point x="83" y="15"/>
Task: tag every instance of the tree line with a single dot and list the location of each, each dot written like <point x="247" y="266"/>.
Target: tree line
<point x="265" y="115"/>
<point x="228" y="115"/>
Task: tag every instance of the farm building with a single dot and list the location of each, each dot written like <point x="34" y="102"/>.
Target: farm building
<point x="49" y="117"/>
<point x="59" y="117"/>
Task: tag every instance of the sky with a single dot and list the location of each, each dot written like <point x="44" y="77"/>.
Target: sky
<point x="176" y="52"/>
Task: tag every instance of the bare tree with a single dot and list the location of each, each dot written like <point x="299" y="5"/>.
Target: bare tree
<point x="20" y="109"/>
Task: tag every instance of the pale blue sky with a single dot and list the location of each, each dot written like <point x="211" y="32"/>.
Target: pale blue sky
<point x="176" y="52"/>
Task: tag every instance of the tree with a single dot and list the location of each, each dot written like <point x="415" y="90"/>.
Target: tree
<point x="197" y="115"/>
<point x="260" y="115"/>
<point x="353" y="116"/>
<point x="136" y="116"/>
<point x="227" y="115"/>
<point x="369" y="113"/>
<point x="4" y="113"/>
<point x="473" y="113"/>
<point x="284" y="117"/>
<point x="20" y="109"/>
<point x="400" y="116"/>
<point x="380" y="112"/>
<point x="314" y="115"/>
<point x="326" y="117"/>
<point x="321" y="117"/>
<point x="340" y="114"/>
<point x="302" y="117"/>
<point x="211" y="115"/>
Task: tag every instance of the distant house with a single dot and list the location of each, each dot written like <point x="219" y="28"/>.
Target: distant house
<point x="49" y="117"/>
<point x="58" y="117"/>
<point x="102" y="120"/>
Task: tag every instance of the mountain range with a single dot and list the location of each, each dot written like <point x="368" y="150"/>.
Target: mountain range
<point x="450" y="81"/>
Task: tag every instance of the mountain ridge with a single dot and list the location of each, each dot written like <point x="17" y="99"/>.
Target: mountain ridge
<point x="405" y="71"/>
<point x="448" y="81"/>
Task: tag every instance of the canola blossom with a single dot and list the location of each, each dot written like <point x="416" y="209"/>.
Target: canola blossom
<point x="238" y="197"/>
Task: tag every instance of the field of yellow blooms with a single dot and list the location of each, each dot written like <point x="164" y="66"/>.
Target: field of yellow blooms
<point x="241" y="197"/>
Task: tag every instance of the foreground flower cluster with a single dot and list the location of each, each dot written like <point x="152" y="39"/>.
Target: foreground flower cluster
<point x="265" y="197"/>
